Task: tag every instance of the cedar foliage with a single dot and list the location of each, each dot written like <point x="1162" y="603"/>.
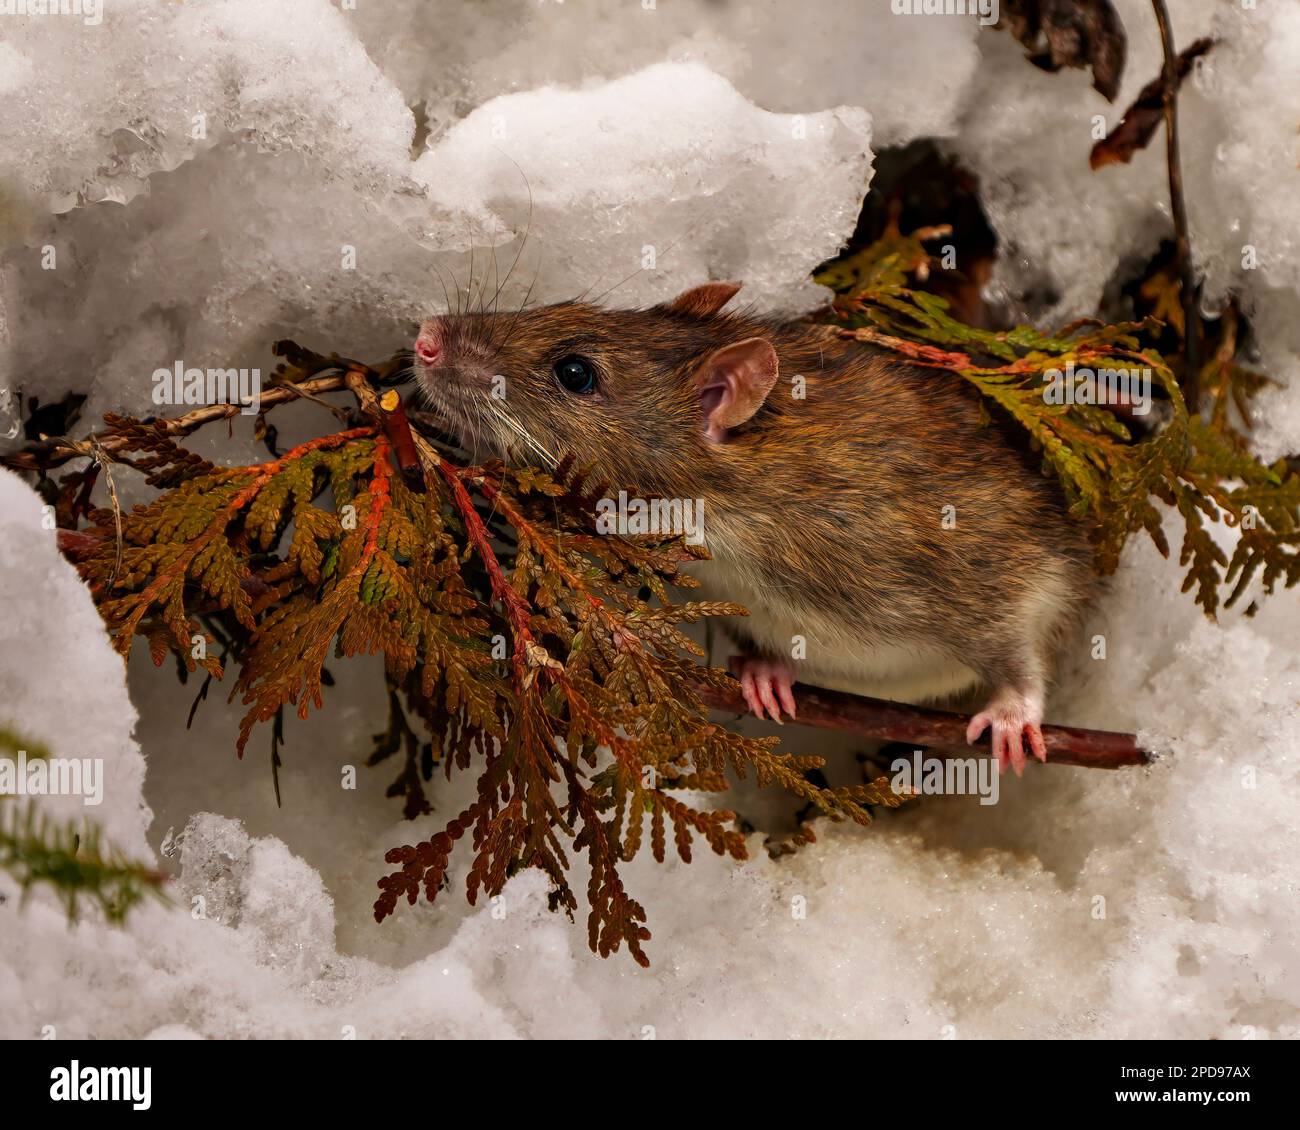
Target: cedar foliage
<point x="1198" y="464"/>
<point x="525" y="647"/>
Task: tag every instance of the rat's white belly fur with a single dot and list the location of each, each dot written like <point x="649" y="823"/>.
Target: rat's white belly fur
<point x="833" y="656"/>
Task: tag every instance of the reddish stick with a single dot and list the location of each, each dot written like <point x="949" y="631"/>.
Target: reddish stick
<point x="941" y="732"/>
<point x="392" y="413"/>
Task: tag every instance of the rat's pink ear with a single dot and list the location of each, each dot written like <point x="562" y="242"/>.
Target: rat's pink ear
<point x="704" y="300"/>
<point x="733" y="382"/>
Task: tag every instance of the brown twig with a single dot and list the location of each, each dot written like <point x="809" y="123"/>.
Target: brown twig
<point x="1182" y="237"/>
<point x="392" y="414"/>
<point x="924" y="356"/>
<point x="55" y="452"/>
<point x="939" y="731"/>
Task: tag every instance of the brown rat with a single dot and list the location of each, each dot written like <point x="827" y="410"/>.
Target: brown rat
<point x="849" y="500"/>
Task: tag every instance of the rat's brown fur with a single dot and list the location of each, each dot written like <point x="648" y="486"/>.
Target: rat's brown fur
<point x="824" y="514"/>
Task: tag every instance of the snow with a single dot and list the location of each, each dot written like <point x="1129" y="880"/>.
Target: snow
<point x="701" y="163"/>
<point x="51" y="639"/>
<point x="303" y="208"/>
<point x="736" y="139"/>
<point x="824" y="53"/>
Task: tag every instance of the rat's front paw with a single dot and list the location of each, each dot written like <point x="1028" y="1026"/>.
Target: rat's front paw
<point x="763" y="682"/>
<point x="1015" y="718"/>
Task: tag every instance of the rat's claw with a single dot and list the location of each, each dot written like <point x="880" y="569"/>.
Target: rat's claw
<point x="763" y="682"/>
<point x="784" y="683"/>
<point x="1015" y="748"/>
<point x="1014" y="717"/>
<point x="1036" y="743"/>
<point x="750" y="694"/>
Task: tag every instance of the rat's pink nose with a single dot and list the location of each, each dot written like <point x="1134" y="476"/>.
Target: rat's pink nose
<point x="428" y="345"/>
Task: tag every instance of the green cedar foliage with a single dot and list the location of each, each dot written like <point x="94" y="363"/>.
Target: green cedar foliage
<point x="1199" y="464"/>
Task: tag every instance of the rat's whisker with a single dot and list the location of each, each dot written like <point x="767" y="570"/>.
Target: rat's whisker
<point x="446" y="297"/>
<point x="523" y="433"/>
<point x="471" y="303"/>
<point x="523" y="306"/>
<point x="605" y="293"/>
<point x="528" y="230"/>
<point x="482" y="294"/>
<point x="469" y="286"/>
<point x="455" y="289"/>
<point x="621" y="282"/>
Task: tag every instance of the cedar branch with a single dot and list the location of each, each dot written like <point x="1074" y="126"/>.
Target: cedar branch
<point x="54" y="452"/>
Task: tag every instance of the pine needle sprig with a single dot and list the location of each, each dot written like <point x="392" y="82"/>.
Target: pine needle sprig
<point x="74" y="860"/>
<point x="72" y="857"/>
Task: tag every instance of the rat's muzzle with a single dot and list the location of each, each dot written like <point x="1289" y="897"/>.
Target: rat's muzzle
<point x="449" y="351"/>
<point x="429" y="343"/>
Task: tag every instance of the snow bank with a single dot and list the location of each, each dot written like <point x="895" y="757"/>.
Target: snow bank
<point x="261" y="202"/>
<point x="911" y="73"/>
<point x="61" y="683"/>
<point x="686" y="170"/>
<point x="1155" y="902"/>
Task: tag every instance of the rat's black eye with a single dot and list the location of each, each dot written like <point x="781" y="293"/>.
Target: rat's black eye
<point x="576" y="374"/>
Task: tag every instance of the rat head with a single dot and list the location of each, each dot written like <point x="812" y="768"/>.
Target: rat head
<point x="643" y="397"/>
